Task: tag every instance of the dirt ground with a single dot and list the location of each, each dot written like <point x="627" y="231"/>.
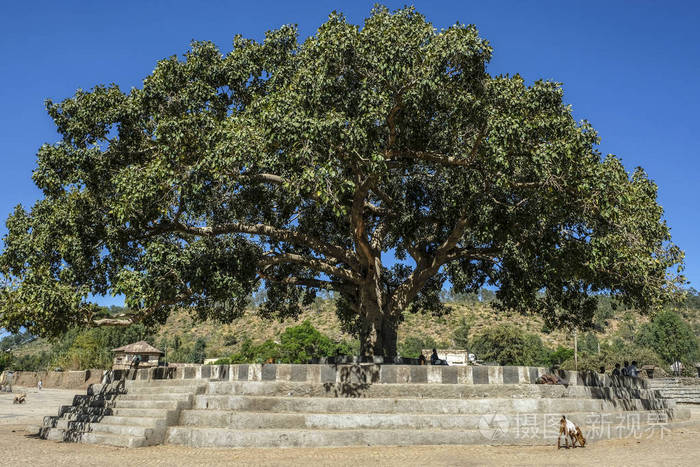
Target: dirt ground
<point x="17" y="447"/>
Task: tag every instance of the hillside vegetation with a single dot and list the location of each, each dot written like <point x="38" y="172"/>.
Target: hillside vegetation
<point x="473" y="322"/>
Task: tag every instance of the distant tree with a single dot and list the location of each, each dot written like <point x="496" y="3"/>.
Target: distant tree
<point x="589" y="343"/>
<point x="692" y="302"/>
<point x="460" y="335"/>
<point x="6" y="360"/>
<point x="199" y="351"/>
<point x="670" y="336"/>
<point x="506" y="344"/>
<point x="297" y="166"/>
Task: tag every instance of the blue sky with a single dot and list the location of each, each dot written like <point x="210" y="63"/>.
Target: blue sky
<point x="629" y="67"/>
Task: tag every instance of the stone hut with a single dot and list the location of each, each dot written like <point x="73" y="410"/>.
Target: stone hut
<point x="124" y="356"/>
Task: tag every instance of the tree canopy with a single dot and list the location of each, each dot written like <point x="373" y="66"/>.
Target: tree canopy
<point x="306" y="166"/>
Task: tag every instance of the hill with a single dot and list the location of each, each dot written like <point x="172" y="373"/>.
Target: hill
<point x="181" y="337"/>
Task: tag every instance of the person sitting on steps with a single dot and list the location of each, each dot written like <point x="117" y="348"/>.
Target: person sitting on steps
<point x="616" y="371"/>
<point x="435" y="360"/>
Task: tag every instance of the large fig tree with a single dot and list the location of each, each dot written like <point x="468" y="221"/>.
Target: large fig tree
<point x="299" y="167"/>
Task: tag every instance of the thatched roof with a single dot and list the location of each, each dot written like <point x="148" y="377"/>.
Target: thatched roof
<point x="138" y="347"/>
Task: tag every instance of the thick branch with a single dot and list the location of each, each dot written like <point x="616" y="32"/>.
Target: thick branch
<point x="443" y="159"/>
<point x="383" y="196"/>
<point x="434" y="157"/>
<point x="257" y="177"/>
<point x="427" y="267"/>
<point x="312" y="263"/>
<point x="358" y="222"/>
<point x="268" y="231"/>
<point x="313" y="283"/>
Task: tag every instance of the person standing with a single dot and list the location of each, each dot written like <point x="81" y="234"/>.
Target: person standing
<point x="39" y="385"/>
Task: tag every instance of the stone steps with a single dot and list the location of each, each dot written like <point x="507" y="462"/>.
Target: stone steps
<point x="156" y="397"/>
<point x="106" y="427"/>
<point x="441" y="391"/>
<point x="68" y="410"/>
<point x="137" y="384"/>
<point x="324" y="405"/>
<point x="111" y="439"/>
<point x="148" y="422"/>
<point x="158" y="389"/>
<point x="491" y="435"/>
<point x="147" y="404"/>
<point x="263" y="420"/>
<point x="435" y="406"/>
<point x="120" y="414"/>
<point x="675" y="389"/>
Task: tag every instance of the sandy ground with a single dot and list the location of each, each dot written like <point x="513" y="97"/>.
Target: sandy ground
<point x="17" y="447"/>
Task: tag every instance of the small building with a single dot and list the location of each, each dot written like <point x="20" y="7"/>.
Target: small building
<point x="124" y="356"/>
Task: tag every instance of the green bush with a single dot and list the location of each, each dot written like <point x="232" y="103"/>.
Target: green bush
<point x="298" y="344"/>
<point x="412" y="346"/>
<point x="506" y="344"/>
<point x="222" y="361"/>
<point x="612" y="354"/>
<point x="560" y="355"/>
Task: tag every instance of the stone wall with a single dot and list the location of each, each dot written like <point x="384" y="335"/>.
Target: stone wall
<point x="374" y="374"/>
<point x="56" y="379"/>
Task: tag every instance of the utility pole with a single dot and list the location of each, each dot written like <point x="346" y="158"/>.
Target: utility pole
<point x="576" y="349"/>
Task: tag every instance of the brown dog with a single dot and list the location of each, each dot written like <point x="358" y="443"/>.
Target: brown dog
<point x="19" y="398"/>
<point x="570" y="431"/>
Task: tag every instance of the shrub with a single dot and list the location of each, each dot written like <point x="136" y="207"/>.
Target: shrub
<point x="299" y="344"/>
<point x="560" y="355"/>
<point x="506" y="344"/>
<point x="251" y="353"/>
<point x="222" y="361"/>
<point x="611" y="354"/>
<point x="411" y="347"/>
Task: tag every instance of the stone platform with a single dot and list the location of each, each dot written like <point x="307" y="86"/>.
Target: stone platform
<point x="359" y="404"/>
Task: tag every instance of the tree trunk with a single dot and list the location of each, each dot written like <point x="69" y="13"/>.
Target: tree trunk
<point x="389" y="337"/>
<point x="371" y="335"/>
<point x="378" y="333"/>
